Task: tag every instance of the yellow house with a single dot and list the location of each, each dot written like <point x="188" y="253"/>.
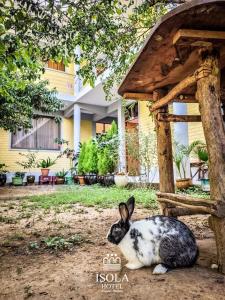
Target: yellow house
<point x="82" y="117"/>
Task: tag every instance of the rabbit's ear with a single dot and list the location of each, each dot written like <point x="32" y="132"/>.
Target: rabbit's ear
<point x="124" y="212"/>
<point x="130" y="205"/>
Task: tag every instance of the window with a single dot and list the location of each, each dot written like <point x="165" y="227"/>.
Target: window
<point x="42" y="136"/>
<point x="102" y="128"/>
<point x="56" y="66"/>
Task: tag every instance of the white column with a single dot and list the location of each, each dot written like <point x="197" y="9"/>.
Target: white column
<point x="76" y="126"/>
<point x="121" y="132"/>
<point x="181" y="129"/>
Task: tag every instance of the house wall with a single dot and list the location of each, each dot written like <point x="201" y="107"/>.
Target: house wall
<point x="11" y="156"/>
<point x="195" y="130"/>
<point x="146" y="126"/>
<point x="63" y="81"/>
<point x="85" y="130"/>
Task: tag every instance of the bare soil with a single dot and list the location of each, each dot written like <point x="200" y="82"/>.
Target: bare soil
<point x="71" y="274"/>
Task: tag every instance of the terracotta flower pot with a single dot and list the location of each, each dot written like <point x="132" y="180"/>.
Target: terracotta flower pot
<point x="81" y="180"/>
<point x="183" y="184"/>
<point x="45" y="172"/>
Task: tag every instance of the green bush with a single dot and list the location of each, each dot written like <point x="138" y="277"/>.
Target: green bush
<point x="81" y="159"/>
<point x="91" y="158"/>
<point x="105" y="162"/>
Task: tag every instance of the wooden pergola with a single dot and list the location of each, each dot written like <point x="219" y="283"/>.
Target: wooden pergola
<point x="183" y="60"/>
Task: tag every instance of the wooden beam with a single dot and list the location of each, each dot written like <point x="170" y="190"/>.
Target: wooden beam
<point x="177" y="90"/>
<point x="187" y="199"/>
<point x="199" y="209"/>
<point x="197" y="35"/>
<point x="138" y="96"/>
<point x="164" y="151"/>
<point x="164" y="117"/>
<point x="184" y="211"/>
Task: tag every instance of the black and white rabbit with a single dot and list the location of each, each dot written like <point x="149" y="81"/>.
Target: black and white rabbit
<point x="159" y="240"/>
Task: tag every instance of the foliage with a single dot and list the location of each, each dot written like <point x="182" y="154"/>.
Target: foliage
<point x="69" y="153"/>
<point x="61" y="174"/>
<point x="46" y="163"/>
<point x="20" y="174"/>
<point x="142" y="147"/>
<point x="202" y="153"/>
<point x="18" y="105"/>
<point x="30" y="162"/>
<point x="106" y="163"/>
<point x="35" y="31"/>
<point x="91" y="158"/>
<point x="61" y="141"/>
<point x="3" y="169"/>
<point x="81" y="159"/>
<point x="60" y="243"/>
<point x="108" y="145"/>
<point x="182" y="155"/>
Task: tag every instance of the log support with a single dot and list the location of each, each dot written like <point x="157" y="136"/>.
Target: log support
<point x="165" y="117"/>
<point x="165" y="156"/>
<point x="208" y="95"/>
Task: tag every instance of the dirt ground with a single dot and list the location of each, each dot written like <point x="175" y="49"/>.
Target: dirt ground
<point x="71" y="274"/>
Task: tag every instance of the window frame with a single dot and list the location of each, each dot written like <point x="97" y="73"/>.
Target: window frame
<point x="38" y="149"/>
<point x="54" y="62"/>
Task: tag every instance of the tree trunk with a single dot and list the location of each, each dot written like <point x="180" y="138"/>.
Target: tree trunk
<point x="208" y="94"/>
<point x="165" y="155"/>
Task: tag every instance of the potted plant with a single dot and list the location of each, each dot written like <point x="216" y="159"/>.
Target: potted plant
<point x="3" y="172"/>
<point x="80" y="165"/>
<point x="72" y="156"/>
<point x="108" y="144"/>
<point x="90" y="162"/>
<point x="202" y="154"/>
<point x="29" y="163"/>
<point x="106" y="167"/>
<point x="181" y="160"/>
<point x="18" y="178"/>
<point x="45" y="164"/>
<point x="60" y="177"/>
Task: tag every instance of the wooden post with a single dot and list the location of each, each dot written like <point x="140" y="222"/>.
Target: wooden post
<point x="165" y="155"/>
<point x="208" y="94"/>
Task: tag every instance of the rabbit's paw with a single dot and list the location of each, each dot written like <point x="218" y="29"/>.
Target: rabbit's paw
<point x="159" y="269"/>
<point x="134" y="266"/>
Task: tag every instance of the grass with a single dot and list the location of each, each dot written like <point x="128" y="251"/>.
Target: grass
<point x="101" y="197"/>
<point x="95" y="195"/>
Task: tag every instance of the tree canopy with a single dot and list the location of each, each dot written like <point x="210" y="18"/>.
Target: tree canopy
<point x="108" y="33"/>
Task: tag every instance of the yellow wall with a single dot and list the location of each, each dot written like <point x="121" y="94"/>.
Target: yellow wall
<point x="145" y="121"/>
<point x="11" y="156"/>
<point x="63" y="81"/>
<point x="195" y="130"/>
<point x="86" y="130"/>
